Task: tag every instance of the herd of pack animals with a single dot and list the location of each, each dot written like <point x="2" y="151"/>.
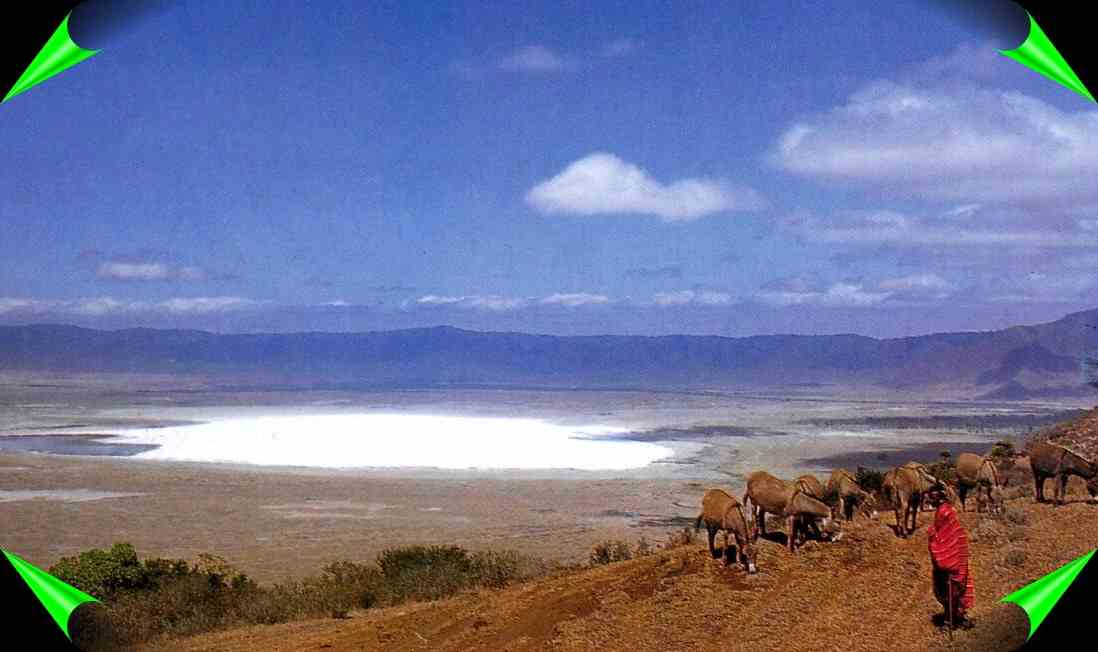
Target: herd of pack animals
<point x="806" y="504"/>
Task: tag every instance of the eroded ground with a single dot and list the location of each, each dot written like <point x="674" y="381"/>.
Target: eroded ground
<point x="868" y="592"/>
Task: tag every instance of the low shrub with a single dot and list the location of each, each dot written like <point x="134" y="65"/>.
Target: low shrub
<point x="684" y="537"/>
<point x="609" y="552"/>
<point x="944" y="471"/>
<point x="164" y="598"/>
<point x="107" y="573"/>
<point x="869" y="479"/>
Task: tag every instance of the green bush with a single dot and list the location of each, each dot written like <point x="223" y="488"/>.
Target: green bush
<point x="163" y="598"/>
<point x="106" y="573"/>
<point x="869" y="479"/>
<point x="944" y="471"/>
<point x="426" y="572"/>
<point x="1002" y="450"/>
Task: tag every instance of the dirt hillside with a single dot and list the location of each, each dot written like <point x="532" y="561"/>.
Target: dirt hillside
<point x="868" y="591"/>
<point x="1080" y="435"/>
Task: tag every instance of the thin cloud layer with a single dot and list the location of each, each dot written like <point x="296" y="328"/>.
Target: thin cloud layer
<point x="603" y="184"/>
<point x="693" y="297"/>
<point x="533" y="59"/>
<point x="953" y="143"/>
<point x="575" y="299"/>
<point x="105" y="306"/>
<point x="981" y="228"/>
<point x="925" y="288"/>
<point x="120" y="270"/>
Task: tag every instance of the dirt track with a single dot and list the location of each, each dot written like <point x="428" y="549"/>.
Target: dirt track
<point x="869" y="591"/>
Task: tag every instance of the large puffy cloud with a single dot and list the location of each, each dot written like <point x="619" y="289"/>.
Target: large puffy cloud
<point x="602" y="184"/>
<point x="950" y="143"/>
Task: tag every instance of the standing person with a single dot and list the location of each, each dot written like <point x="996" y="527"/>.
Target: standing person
<point x="948" y="543"/>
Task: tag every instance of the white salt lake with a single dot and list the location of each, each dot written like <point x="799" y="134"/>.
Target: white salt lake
<point x="395" y="441"/>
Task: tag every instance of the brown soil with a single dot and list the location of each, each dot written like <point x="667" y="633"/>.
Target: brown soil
<point x="1079" y="435"/>
<point x="869" y="591"/>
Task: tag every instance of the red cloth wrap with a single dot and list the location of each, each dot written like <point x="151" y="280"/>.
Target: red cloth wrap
<point x="948" y="544"/>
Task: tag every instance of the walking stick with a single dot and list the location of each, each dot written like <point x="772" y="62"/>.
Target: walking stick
<point x="949" y="590"/>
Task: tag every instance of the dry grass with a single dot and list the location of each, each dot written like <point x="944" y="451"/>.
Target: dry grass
<point x="679" y="598"/>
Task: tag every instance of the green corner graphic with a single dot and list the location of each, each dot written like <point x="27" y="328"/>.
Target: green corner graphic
<point x="1039" y="54"/>
<point x="60" y="53"/>
<point x="1038" y="598"/>
<point x="59" y="599"/>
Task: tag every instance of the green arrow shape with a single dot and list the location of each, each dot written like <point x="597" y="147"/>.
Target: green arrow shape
<point x="1039" y="54"/>
<point x="1038" y="598"/>
<point x="59" y="54"/>
<point x="59" y="599"/>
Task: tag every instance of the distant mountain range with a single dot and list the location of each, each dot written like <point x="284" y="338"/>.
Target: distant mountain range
<point x="1017" y="363"/>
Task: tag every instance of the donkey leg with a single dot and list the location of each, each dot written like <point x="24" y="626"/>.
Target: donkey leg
<point x="712" y="531"/>
<point x="725" y="551"/>
<point x="792" y="533"/>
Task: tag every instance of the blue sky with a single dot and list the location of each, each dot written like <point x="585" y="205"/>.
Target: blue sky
<point x="561" y="168"/>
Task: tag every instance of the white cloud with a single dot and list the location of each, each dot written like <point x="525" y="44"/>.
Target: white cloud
<point x="931" y="282"/>
<point x="105" y="306"/>
<point x="917" y="288"/>
<point x="1042" y="287"/>
<point x="533" y="59"/>
<point x="950" y="143"/>
<point x="697" y="297"/>
<point x="17" y="305"/>
<point x="123" y="270"/>
<point x="874" y="227"/>
<point x="99" y="306"/>
<point x="133" y="271"/>
<point x="601" y="183"/>
<point x="575" y="299"/>
<point x="489" y="302"/>
<point x="962" y="211"/>
<point x="502" y="303"/>
<point x="838" y="294"/>
<point x="204" y="305"/>
<point x="191" y="273"/>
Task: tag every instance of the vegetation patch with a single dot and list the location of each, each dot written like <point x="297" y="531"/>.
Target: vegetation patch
<point x="152" y="599"/>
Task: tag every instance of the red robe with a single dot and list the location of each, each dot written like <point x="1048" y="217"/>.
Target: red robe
<point x="948" y="544"/>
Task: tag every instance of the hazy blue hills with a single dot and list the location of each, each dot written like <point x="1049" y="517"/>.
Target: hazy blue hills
<point x="1011" y="364"/>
